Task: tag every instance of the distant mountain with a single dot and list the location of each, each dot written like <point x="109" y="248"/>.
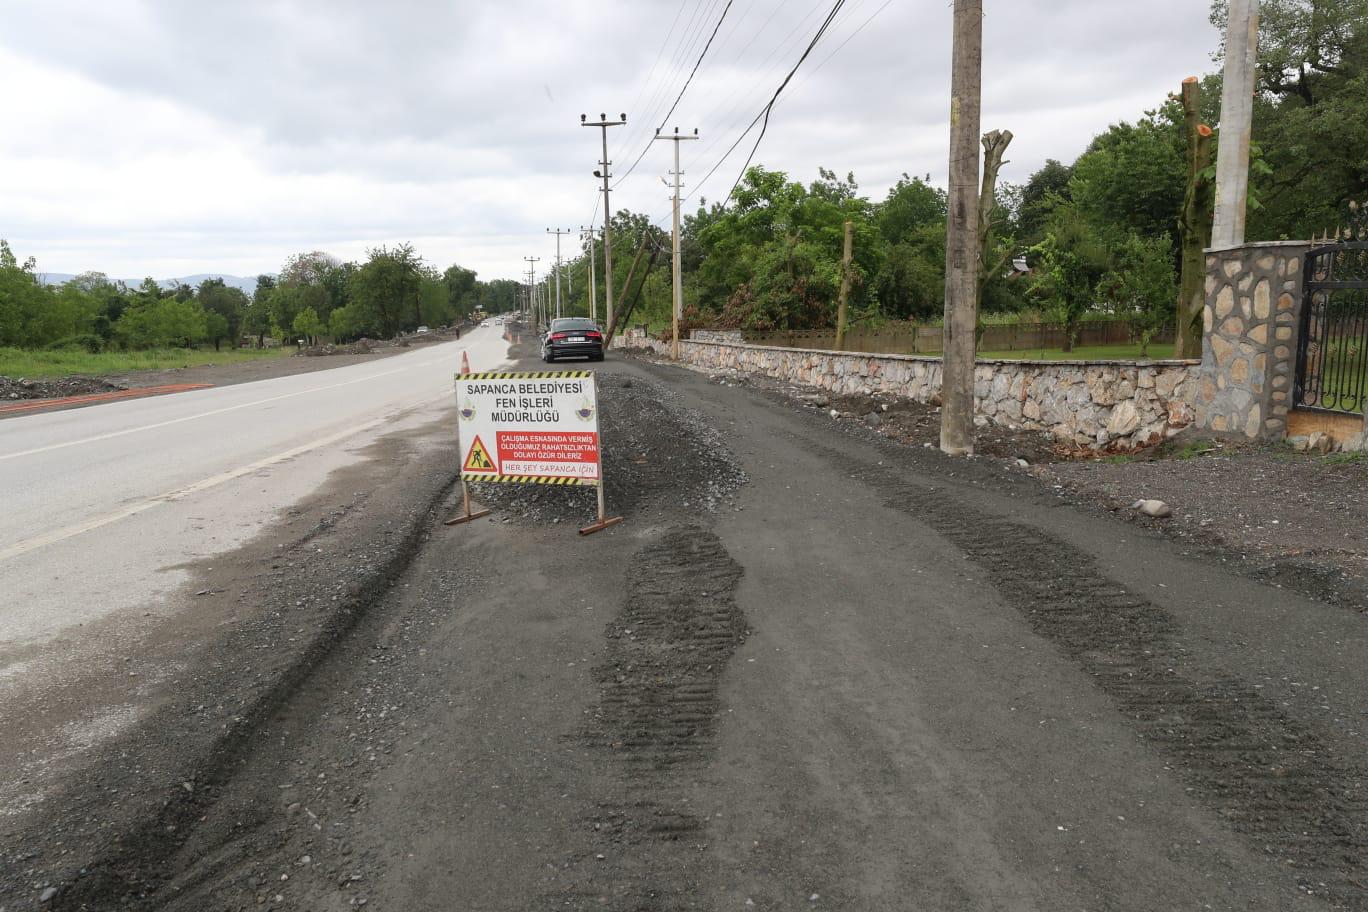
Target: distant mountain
<point x="246" y="283"/>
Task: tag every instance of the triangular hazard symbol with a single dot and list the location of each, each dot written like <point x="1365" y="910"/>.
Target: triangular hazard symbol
<point x="478" y="459"/>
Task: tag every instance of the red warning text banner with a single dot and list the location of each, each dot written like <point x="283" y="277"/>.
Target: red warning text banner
<point x="557" y="453"/>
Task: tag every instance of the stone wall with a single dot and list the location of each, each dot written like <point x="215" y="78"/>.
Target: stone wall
<point x="1117" y="405"/>
<point x="1253" y="305"/>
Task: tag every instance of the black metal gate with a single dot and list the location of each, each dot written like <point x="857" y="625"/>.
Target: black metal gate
<point x="1332" y="350"/>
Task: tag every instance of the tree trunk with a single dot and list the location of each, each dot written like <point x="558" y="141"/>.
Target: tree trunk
<point x="1194" y="226"/>
<point x="994" y="148"/>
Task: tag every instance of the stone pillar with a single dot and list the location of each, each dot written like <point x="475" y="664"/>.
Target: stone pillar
<point x="1249" y="350"/>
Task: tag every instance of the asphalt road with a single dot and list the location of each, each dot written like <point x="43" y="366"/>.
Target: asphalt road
<point x="104" y="507"/>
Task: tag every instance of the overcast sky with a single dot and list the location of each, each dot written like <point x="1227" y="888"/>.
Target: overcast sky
<point x="170" y="137"/>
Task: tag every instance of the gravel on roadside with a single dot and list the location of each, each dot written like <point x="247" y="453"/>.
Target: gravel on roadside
<point x="56" y="388"/>
<point x="658" y="456"/>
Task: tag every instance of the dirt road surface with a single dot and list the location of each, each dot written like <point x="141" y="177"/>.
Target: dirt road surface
<point x="813" y="670"/>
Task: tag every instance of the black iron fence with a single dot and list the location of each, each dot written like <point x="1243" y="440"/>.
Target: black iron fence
<point x="1332" y="350"/>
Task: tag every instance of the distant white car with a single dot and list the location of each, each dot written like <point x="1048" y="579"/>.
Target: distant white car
<point x="485" y="323"/>
<point x="423" y="329"/>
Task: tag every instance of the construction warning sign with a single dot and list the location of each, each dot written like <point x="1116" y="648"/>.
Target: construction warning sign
<point x="478" y="459"/>
<point x="538" y="427"/>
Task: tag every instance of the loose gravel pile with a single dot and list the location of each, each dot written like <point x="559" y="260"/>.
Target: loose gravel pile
<point x="658" y="455"/>
<point x="56" y="388"/>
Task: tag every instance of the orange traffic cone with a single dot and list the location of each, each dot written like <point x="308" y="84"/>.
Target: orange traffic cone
<point x="465" y="364"/>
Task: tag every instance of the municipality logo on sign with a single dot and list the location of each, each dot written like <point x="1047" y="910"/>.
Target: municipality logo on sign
<point x="468" y="410"/>
<point x="585" y="412"/>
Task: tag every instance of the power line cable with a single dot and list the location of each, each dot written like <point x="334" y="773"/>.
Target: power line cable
<point x="860" y="28"/>
<point x="763" y="117"/>
<point x="660" y="53"/>
<point x="692" y="73"/>
<point x="656" y="99"/>
<point x="746" y="100"/>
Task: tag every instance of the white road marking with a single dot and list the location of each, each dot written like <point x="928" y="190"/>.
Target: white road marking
<point x="58" y="535"/>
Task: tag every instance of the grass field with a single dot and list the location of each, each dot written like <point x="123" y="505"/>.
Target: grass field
<point x="18" y="362"/>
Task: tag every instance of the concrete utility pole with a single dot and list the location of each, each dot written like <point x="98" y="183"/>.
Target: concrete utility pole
<point x="1237" y="115"/>
<point x="961" y="242"/>
<point x="587" y="234"/>
<point x="603" y="123"/>
<point x="532" y="287"/>
<point x="678" y="309"/>
<point x="558" y="232"/>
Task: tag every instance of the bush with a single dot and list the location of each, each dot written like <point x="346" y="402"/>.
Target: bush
<point x="80" y="342"/>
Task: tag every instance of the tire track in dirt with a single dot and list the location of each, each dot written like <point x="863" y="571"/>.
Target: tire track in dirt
<point x="1270" y="777"/>
<point x="656" y="722"/>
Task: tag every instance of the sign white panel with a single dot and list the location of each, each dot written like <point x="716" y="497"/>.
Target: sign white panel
<point x="531" y="427"/>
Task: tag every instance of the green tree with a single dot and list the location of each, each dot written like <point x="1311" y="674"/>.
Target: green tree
<point x="216" y="327"/>
<point x="386" y="290"/>
<point x="307" y="324"/>
<point x="1140" y="286"/>
<point x="1041" y="193"/>
<point x="228" y="304"/>
<point x="1070" y="262"/>
<point x="911" y="206"/>
<point x="462" y="287"/>
<point x="1134" y="176"/>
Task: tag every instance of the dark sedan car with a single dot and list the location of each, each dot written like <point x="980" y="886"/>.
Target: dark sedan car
<point x="574" y="337"/>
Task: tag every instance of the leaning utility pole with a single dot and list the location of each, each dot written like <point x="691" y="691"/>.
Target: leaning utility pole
<point x="1237" y="115"/>
<point x="532" y="287"/>
<point x="678" y="309"/>
<point x="961" y="241"/>
<point x="603" y="123"/>
<point x="587" y="234"/>
<point x="558" y="232"/>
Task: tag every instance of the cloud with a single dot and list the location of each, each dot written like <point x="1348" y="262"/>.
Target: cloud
<point x="159" y="136"/>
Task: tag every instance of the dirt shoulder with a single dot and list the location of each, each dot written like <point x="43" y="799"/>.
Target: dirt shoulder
<point x="1298" y="520"/>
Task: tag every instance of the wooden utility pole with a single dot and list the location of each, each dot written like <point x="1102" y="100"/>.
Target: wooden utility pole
<point x="1194" y="225"/>
<point x="603" y="123"/>
<point x="961" y="239"/>
<point x="1237" y="114"/>
<point x="846" y="258"/>
<point x="677" y="308"/>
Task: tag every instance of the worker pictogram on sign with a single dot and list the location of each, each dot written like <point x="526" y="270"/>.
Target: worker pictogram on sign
<point x="477" y="460"/>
